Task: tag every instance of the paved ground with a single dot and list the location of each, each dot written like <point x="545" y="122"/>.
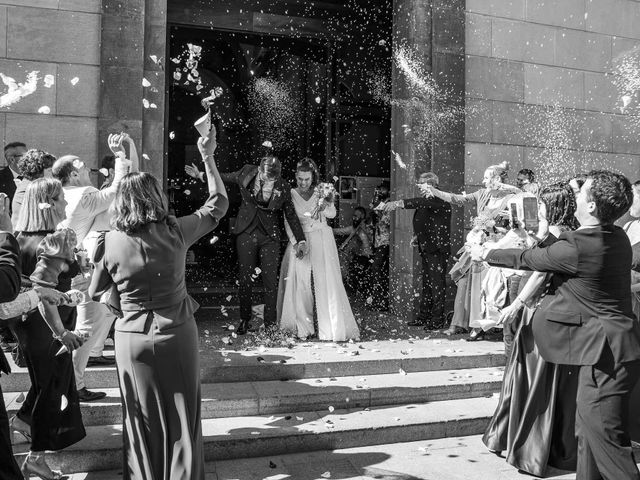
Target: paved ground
<point x="446" y="459"/>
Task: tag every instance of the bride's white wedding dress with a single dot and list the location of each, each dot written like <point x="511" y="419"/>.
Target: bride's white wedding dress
<point x="296" y="289"/>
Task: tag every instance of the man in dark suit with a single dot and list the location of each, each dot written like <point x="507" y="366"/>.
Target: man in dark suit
<point x="9" y="173"/>
<point x="589" y="321"/>
<point x="9" y="289"/>
<point x="264" y="196"/>
<point x="432" y="228"/>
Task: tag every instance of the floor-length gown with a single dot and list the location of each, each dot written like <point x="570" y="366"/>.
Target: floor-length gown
<point x="535" y="418"/>
<point x="52" y="406"/>
<point x="316" y="275"/>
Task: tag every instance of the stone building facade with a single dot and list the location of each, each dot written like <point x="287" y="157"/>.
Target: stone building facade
<point x="519" y="65"/>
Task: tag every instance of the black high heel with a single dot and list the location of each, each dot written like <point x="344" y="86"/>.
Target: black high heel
<point x="476" y="335"/>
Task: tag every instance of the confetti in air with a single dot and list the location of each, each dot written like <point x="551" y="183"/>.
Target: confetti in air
<point x="626" y="79"/>
<point x="145" y="83"/>
<point x="74" y="81"/>
<point x="49" y="80"/>
<point x="17" y="91"/>
<point x="45" y="110"/>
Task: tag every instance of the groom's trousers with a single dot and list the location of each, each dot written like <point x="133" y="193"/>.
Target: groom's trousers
<point x="602" y="420"/>
<point x="258" y="250"/>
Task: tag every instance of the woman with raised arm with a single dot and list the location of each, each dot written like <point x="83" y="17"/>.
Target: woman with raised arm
<point x="139" y="269"/>
<point x="489" y="201"/>
<point x="314" y="278"/>
<point x="50" y="416"/>
<point x="535" y="418"/>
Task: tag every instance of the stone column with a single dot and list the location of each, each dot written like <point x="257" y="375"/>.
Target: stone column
<point x="121" y="71"/>
<point x="435" y="30"/>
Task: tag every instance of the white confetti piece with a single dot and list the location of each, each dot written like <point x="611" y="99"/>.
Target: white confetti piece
<point x="146" y="157"/>
<point x="44" y="110"/>
<point x="44" y="206"/>
<point x="326" y="474"/>
<point x="49" y="80"/>
<point x="177" y="75"/>
<point x="317" y="100"/>
<point x="402" y="372"/>
<point x="153" y="105"/>
<point x="267" y="144"/>
<point x="172" y="135"/>
<point x="17" y="91"/>
<point x="145" y="83"/>
<point x="258" y="270"/>
<point x="104" y="172"/>
<point x="145" y="103"/>
<point x="154" y="58"/>
<point x="64" y="403"/>
<point x="213" y="240"/>
<point x="331" y="408"/>
<point x="299" y="419"/>
<point x="74" y="81"/>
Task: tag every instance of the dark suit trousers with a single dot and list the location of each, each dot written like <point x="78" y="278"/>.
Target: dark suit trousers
<point x="602" y="423"/>
<point x="9" y="469"/>
<point x="434" y="273"/>
<point x="257" y="249"/>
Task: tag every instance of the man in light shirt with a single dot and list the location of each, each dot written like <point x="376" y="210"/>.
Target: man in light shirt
<point x="88" y="215"/>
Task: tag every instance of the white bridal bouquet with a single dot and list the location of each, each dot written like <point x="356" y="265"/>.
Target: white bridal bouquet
<point x="326" y="192"/>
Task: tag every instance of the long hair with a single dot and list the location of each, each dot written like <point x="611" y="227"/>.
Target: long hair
<point x="308" y="165"/>
<point x="35" y="215"/>
<point x="139" y="201"/>
<point x="561" y="205"/>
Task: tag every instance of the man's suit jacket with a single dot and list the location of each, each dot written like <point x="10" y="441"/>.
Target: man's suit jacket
<point x="267" y="214"/>
<point x="9" y="278"/>
<point x="591" y="306"/>
<point x="7" y="183"/>
<point x="431" y="223"/>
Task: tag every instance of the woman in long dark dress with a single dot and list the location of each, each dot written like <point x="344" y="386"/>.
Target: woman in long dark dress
<point x="50" y="415"/>
<point x="535" y="418"/>
<point x="156" y="340"/>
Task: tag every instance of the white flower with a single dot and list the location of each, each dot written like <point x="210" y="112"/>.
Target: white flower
<point x="44" y="206"/>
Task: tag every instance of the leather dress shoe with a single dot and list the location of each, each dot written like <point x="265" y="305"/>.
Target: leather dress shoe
<point x="244" y="326"/>
<point x="101" y="361"/>
<point x="88" y="396"/>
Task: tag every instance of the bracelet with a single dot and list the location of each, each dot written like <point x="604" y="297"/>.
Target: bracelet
<point x="61" y="336"/>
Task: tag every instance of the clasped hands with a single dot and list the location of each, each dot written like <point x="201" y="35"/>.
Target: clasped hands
<point x="301" y="249"/>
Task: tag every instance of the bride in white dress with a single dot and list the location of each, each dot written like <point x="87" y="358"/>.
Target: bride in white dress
<point x="316" y="275"/>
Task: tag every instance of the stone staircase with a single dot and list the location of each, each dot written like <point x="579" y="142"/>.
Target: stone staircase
<point x="316" y="396"/>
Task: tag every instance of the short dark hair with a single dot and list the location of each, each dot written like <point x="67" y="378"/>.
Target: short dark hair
<point x="63" y="168"/>
<point x="14" y="145"/>
<point x="139" y="201"/>
<point x="528" y="173"/>
<point x="270" y="166"/>
<point x="612" y="194"/>
<point x="308" y="165"/>
<point x="361" y="209"/>
<point x="34" y="162"/>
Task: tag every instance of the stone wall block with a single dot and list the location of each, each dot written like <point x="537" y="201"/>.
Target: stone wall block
<point x="562" y="13"/>
<point x="449" y="28"/>
<point x="621" y="46"/>
<point x="626" y="134"/>
<point x="123" y="41"/>
<point x="554" y="86"/>
<point x="3" y="32"/>
<point x="31" y="3"/>
<point x="88" y="6"/>
<point x="448" y="72"/>
<point x="478" y="35"/>
<point x="628" y="165"/>
<point x="509" y="123"/>
<point x="478" y="120"/>
<point x="155" y="42"/>
<point x="613" y="17"/>
<point x="499" y="8"/>
<point x="42" y="97"/>
<point x="153" y="137"/>
<point x="479" y="156"/>
<point x="81" y="99"/>
<point x="525" y="42"/>
<point x="121" y="93"/>
<point x="597" y="131"/>
<point x="58" y="135"/>
<point x="583" y="50"/>
<point x="120" y="8"/>
<point x="3" y="138"/>
<point x="600" y="94"/>
<point x="493" y="79"/>
<point x="54" y="27"/>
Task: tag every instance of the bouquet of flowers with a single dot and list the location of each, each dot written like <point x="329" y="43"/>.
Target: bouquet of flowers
<point x="326" y="193"/>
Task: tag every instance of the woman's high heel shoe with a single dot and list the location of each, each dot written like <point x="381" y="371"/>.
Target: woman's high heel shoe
<point x="23" y="430"/>
<point x="35" y="465"/>
<point x="476" y="335"/>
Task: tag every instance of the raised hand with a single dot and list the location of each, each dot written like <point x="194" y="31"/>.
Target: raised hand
<point x="391" y="206"/>
<point x="192" y="171"/>
<point x="115" y="144"/>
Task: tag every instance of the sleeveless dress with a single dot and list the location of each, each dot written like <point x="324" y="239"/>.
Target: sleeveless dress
<point x="316" y="275"/>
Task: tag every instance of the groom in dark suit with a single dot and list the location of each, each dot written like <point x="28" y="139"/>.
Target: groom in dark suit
<point x="589" y="322"/>
<point x="264" y="196"/>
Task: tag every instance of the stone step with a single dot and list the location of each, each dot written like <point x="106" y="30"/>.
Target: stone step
<point x="253" y="436"/>
<point x="221" y="400"/>
<point x="313" y="360"/>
